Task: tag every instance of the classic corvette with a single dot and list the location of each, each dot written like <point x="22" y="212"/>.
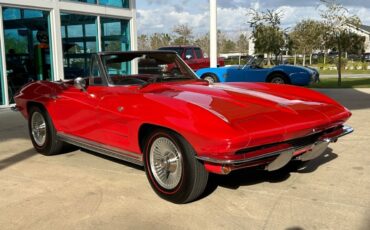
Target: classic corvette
<point x="179" y="127"/>
<point x="253" y="71"/>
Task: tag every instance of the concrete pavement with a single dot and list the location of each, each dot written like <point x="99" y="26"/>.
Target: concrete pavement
<point x="80" y="190"/>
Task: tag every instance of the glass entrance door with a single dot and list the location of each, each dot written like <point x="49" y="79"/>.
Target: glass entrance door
<point x="27" y="47"/>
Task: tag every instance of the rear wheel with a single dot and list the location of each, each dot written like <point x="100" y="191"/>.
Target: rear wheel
<point x="277" y="78"/>
<point x="171" y="167"/>
<point x="42" y="132"/>
<point x="211" y="78"/>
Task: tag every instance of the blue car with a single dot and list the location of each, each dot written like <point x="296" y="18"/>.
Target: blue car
<point x="253" y="72"/>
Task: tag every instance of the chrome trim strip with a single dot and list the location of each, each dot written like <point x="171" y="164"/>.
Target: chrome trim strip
<point x="345" y="130"/>
<point x="217" y="161"/>
<point x="102" y="149"/>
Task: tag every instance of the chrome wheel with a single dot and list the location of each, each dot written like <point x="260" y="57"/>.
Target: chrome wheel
<point x="38" y="128"/>
<point x="210" y="79"/>
<point x="166" y="163"/>
<point x="278" y="80"/>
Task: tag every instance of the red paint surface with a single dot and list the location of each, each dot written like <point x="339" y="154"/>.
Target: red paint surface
<point x="216" y="120"/>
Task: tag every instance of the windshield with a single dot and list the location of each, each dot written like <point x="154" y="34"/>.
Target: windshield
<point x="255" y="61"/>
<point x="152" y="67"/>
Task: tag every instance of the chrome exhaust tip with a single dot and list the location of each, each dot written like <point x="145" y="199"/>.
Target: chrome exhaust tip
<point x="282" y="160"/>
<point x="317" y="149"/>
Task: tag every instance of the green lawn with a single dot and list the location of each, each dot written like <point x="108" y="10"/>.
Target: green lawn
<point x="346" y="83"/>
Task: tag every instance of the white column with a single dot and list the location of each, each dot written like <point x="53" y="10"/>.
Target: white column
<point x="56" y="43"/>
<point x="213" y="32"/>
<point x="98" y="39"/>
<point x="133" y="35"/>
<point x="3" y="58"/>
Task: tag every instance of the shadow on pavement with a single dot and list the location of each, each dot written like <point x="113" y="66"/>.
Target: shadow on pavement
<point x="252" y="176"/>
<point x="353" y="99"/>
<point x="12" y="126"/>
<point x="14" y="159"/>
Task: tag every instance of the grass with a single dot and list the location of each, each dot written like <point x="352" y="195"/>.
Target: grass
<point x="346" y="83"/>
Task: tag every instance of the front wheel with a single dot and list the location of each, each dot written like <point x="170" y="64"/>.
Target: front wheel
<point x="42" y="132"/>
<point x="171" y="167"/>
<point x="211" y="78"/>
<point x="278" y="79"/>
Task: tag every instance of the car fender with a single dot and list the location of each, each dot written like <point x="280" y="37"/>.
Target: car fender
<point x="277" y="71"/>
<point x="174" y="114"/>
<point x="218" y="72"/>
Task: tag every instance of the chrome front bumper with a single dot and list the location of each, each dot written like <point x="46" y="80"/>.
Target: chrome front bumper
<point x="303" y="153"/>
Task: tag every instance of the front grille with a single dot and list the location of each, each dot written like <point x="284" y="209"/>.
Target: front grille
<point x="298" y="142"/>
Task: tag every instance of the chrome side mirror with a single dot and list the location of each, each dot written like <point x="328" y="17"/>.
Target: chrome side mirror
<point x="80" y="83"/>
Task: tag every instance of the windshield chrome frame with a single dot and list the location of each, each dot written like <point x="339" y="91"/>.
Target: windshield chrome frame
<point x="108" y="81"/>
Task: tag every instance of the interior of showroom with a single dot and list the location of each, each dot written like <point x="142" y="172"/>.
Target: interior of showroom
<point x="53" y="39"/>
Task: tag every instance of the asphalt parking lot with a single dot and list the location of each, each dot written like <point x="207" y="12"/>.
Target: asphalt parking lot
<point x="82" y="190"/>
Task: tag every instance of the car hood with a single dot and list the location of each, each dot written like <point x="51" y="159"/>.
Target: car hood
<point x="244" y="108"/>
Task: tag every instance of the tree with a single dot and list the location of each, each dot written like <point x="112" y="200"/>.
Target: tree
<point x="203" y="42"/>
<point x="307" y="36"/>
<point x="266" y="32"/>
<point x="184" y="34"/>
<point x="159" y="40"/>
<point x="225" y="45"/>
<point x="242" y="44"/>
<point x="337" y="20"/>
<point x="143" y="42"/>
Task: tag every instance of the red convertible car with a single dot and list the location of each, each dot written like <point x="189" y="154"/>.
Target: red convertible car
<point x="180" y="128"/>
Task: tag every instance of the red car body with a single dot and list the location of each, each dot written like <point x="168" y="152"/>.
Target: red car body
<point x="194" y="56"/>
<point x="229" y="126"/>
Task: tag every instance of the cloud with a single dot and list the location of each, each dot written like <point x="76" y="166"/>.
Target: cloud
<point x="160" y="16"/>
<point x="297" y="3"/>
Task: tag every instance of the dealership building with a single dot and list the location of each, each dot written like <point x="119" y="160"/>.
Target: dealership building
<point x="53" y="39"/>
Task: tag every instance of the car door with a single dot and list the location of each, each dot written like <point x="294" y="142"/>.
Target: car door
<point x="201" y="61"/>
<point x="247" y="74"/>
<point x="115" y="117"/>
<point x="191" y="60"/>
<point x="75" y="109"/>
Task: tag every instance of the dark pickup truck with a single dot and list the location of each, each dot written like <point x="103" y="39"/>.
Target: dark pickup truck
<point x="193" y="56"/>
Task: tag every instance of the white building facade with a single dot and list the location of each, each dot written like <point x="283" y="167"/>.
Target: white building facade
<point x="53" y="39"/>
<point x="364" y="31"/>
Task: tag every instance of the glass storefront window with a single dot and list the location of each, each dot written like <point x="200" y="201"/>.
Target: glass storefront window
<point x="26" y="35"/>
<point x="2" y="92"/>
<point x="115" y="37"/>
<point x="115" y="34"/>
<point x="115" y="3"/>
<point x="79" y="35"/>
<point x="86" y="1"/>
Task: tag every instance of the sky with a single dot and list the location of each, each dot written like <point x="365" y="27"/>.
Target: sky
<point x="160" y="16"/>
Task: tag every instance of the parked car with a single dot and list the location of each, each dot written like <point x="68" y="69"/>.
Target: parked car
<point x="193" y="56"/>
<point x="180" y="128"/>
<point x="253" y="71"/>
<point x="318" y="55"/>
<point x="333" y="54"/>
<point x="366" y="57"/>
